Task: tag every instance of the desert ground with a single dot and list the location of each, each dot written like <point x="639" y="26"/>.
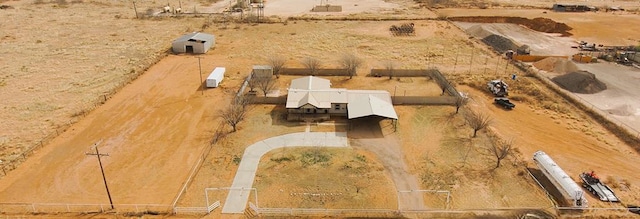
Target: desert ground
<point x="120" y="89"/>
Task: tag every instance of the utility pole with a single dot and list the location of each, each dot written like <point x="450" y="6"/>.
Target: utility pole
<point x="98" y="154"/>
<point x="200" y="67"/>
<point x="135" y="9"/>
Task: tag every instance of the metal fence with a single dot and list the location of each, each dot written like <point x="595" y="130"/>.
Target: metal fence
<point x="593" y="110"/>
<point x="423" y="100"/>
<point x="22" y="208"/>
<point x="402" y="72"/>
<point x="319" y="72"/>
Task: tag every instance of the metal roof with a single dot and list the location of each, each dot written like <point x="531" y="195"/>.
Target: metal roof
<point x="360" y="103"/>
<point x="195" y="36"/>
<point x="321" y="99"/>
<point x="310" y="83"/>
<point x="364" y="103"/>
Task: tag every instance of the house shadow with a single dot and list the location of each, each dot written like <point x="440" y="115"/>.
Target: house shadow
<point x="370" y="127"/>
<point x="279" y="117"/>
<point x="549" y="187"/>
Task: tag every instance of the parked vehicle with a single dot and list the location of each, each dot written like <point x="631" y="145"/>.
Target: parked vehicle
<point x="592" y="183"/>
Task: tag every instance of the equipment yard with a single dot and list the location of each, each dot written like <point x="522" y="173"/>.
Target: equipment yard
<point x="171" y="150"/>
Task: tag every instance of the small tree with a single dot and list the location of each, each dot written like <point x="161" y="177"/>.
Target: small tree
<point x="276" y="62"/>
<point x="351" y="63"/>
<point x="477" y="121"/>
<point x="265" y="84"/>
<point x="390" y="66"/>
<point x="460" y="101"/>
<point x="252" y="83"/>
<point x="312" y="64"/>
<point x="501" y="150"/>
<point x="235" y="112"/>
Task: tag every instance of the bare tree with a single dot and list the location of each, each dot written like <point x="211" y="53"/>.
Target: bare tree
<point x="390" y="66"/>
<point x="460" y="101"/>
<point x="351" y="63"/>
<point x="312" y="64"/>
<point x="235" y="112"/>
<point x="276" y="62"/>
<point x="501" y="150"/>
<point x="265" y="84"/>
<point x="252" y="82"/>
<point x="477" y="121"/>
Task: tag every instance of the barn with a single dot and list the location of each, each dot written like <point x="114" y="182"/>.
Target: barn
<point x="197" y="43"/>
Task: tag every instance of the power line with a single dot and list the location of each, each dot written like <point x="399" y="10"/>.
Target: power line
<point x="98" y="154"/>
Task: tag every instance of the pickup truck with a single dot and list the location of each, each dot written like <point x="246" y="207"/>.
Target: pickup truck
<point x="504" y="102"/>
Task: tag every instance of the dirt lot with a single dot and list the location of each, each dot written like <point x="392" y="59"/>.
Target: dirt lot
<point x="154" y="134"/>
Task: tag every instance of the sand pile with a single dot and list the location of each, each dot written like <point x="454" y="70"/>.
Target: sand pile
<point x="538" y="24"/>
<point x="557" y="65"/>
<point x="582" y="82"/>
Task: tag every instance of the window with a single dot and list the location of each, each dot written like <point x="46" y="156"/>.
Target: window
<point x="337" y="107"/>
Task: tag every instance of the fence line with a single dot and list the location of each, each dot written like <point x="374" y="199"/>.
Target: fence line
<point x="7" y="165"/>
<point x="82" y="208"/>
<point x="582" y="103"/>
<point x="319" y="72"/>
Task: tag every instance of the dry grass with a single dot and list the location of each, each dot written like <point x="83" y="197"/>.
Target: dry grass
<point x="297" y="177"/>
<point x="81" y="57"/>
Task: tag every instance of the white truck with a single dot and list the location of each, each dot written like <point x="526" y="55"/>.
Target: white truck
<point x="570" y="190"/>
<point x="215" y="77"/>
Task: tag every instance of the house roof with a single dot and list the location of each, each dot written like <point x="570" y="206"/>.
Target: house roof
<point x="310" y="83"/>
<point x="360" y="103"/>
<point x="195" y="36"/>
<point x="319" y="98"/>
<point x="364" y="103"/>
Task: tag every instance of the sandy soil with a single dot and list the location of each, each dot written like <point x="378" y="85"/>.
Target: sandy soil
<point x="574" y="144"/>
<point x="144" y="125"/>
<point x="617" y="99"/>
<point x="287" y="8"/>
<point x="297" y="177"/>
<point x="599" y="28"/>
<point x="539" y="43"/>
<point x="148" y="161"/>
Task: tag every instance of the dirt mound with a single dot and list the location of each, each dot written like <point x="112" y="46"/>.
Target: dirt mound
<point x="499" y="43"/>
<point x="582" y="82"/>
<point x="557" y="65"/>
<point x="538" y="24"/>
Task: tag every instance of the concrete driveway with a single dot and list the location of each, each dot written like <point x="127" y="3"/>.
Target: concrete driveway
<point x="243" y="181"/>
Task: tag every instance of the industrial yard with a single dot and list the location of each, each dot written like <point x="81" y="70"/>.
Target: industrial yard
<point x="171" y="154"/>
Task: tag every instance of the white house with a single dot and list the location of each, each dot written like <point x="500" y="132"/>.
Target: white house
<point x="314" y="95"/>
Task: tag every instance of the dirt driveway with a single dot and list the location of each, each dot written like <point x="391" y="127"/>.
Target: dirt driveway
<point x="367" y="134"/>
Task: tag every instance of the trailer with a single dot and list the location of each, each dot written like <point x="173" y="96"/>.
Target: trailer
<point x="592" y="183"/>
<point x="569" y="188"/>
<point x="215" y="77"/>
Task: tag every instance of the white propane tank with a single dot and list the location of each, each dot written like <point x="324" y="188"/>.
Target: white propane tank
<point x="569" y="188"/>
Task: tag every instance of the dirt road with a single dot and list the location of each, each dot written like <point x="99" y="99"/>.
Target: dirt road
<point x="369" y="136"/>
<point x="149" y="131"/>
<point x="575" y="146"/>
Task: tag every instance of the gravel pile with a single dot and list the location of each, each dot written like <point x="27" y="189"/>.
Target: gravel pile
<point x="557" y="65"/>
<point x="497" y="42"/>
<point x="582" y="82"/>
